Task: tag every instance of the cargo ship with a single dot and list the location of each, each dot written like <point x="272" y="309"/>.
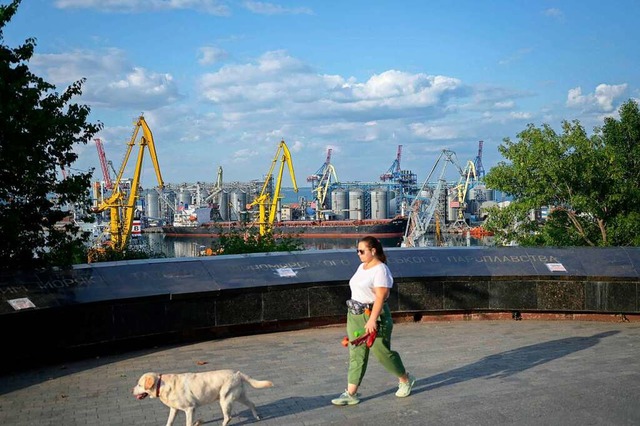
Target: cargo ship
<point x="379" y="228"/>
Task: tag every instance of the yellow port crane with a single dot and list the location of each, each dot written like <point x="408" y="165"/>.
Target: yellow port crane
<point x="267" y="202"/>
<point x="467" y="177"/>
<point x="121" y="205"/>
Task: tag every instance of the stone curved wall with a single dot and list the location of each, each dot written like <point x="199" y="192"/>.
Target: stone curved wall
<point x="121" y="303"/>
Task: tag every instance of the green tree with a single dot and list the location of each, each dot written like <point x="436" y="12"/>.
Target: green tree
<point x="38" y="130"/>
<point x="590" y="184"/>
<point x="246" y="239"/>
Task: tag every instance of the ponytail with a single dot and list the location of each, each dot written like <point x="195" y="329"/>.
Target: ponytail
<point x="374" y="243"/>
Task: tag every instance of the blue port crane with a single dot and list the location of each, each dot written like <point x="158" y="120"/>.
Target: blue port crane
<point x="316" y="178"/>
<point x="394" y="171"/>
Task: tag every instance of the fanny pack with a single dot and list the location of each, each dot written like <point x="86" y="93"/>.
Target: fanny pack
<point x="356" y="308"/>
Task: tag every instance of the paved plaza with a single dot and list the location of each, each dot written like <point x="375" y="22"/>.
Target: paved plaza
<point x="469" y="373"/>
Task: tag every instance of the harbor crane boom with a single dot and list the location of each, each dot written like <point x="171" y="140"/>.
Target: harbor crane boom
<point x="121" y="206"/>
<point x="423" y="209"/>
<point x="394" y="170"/>
<point x="477" y="162"/>
<point x="460" y="191"/>
<point x="108" y="183"/>
<point x="267" y="202"/>
<point x="322" y="190"/>
<point x="316" y="178"/>
<point x="217" y="189"/>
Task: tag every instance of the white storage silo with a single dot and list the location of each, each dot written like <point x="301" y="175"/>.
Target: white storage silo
<point x="379" y="203"/>
<point x="184" y="198"/>
<point x="223" y="205"/>
<point x="356" y="204"/>
<point x="339" y="203"/>
<point x="238" y="204"/>
<point x="153" y="204"/>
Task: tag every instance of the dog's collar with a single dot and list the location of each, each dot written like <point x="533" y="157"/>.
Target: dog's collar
<point x="158" y="386"/>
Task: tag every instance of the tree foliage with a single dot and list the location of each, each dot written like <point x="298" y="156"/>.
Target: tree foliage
<point x="247" y="239"/>
<point x="38" y="130"/>
<point x="591" y="184"/>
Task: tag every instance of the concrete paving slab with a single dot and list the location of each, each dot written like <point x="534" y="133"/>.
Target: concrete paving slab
<point x="469" y="373"/>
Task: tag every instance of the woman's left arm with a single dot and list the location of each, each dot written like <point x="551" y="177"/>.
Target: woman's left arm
<point x="381" y="296"/>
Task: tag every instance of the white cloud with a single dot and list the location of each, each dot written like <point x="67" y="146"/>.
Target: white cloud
<point x="554" y="12"/>
<point x="213" y="7"/>
<point x="516" y="115"/>
<point x="264" y="8"/>
<point x="296" y="146"/>
<point x="244" y="154"/>
<point x="517" y="56"/>
<point x="430" y="132"/>
<point x="211" y="55"/>
<point x="601" y="100"/>
<point x="507" y="104"/>
<point x="112" y="82"/>
<point x="277" y="82"/>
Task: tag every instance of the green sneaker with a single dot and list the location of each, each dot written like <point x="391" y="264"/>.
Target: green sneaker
<point x="346" y="399"/>
<point x="404" y="389"/>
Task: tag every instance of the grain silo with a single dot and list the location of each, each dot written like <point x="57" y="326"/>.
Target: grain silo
<point x="238" y="204"/>
<point x="153" y="205"/>
<point x="339" y="203"/>
<point x="356" y="204"/>
<point x="379" y="203"/>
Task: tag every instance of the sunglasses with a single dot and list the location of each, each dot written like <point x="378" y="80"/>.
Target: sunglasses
<point x="360" y="251"/>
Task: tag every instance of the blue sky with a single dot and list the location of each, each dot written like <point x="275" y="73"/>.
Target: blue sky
<point x="222" y="82"/>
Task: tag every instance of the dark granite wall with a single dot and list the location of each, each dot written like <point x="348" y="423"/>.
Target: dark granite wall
<point x="100" y="304"/>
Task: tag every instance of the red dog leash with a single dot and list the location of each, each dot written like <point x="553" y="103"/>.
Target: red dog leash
<point x="368" y="337"/>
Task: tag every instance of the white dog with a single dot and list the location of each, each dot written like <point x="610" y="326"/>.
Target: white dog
<point x="188" y="391"/>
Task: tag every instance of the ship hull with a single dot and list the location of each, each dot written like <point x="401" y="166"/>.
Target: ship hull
<point x="383" y="228"/>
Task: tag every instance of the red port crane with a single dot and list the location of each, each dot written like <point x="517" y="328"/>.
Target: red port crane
<point x="478" y="162"/>
<point x="108" y="183"/>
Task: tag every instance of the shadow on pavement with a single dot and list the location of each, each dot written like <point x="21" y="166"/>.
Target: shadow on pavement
<point x="512" y="362"/>
<point x="506" y="364"/>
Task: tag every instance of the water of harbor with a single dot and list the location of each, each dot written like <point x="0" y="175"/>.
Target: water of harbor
<point x="193" y="246"/>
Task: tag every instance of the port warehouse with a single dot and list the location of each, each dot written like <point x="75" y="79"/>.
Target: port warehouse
<point x="345" y="201"/>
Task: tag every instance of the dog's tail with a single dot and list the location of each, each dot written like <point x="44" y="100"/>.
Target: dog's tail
<point x="258" y="384"/>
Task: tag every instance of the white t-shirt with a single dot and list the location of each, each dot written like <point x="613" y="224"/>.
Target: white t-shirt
<point x="364" y="280"/>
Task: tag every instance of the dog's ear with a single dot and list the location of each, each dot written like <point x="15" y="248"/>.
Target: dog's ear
<point x="149" y="381"/>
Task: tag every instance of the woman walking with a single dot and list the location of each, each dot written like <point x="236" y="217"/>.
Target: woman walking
<point x="368" y="312"/>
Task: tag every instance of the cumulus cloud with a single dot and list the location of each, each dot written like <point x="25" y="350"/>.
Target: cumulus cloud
<point x="601" y="100"/>
<point x="211" y="55"/>
<point x="213" y="7"/>
<point x="112" y="81"/>
<point x="264" y="8"/>
<point x="277" y="81"/>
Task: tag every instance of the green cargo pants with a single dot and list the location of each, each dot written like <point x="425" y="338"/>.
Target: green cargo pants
<point x="381" y="348"/>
